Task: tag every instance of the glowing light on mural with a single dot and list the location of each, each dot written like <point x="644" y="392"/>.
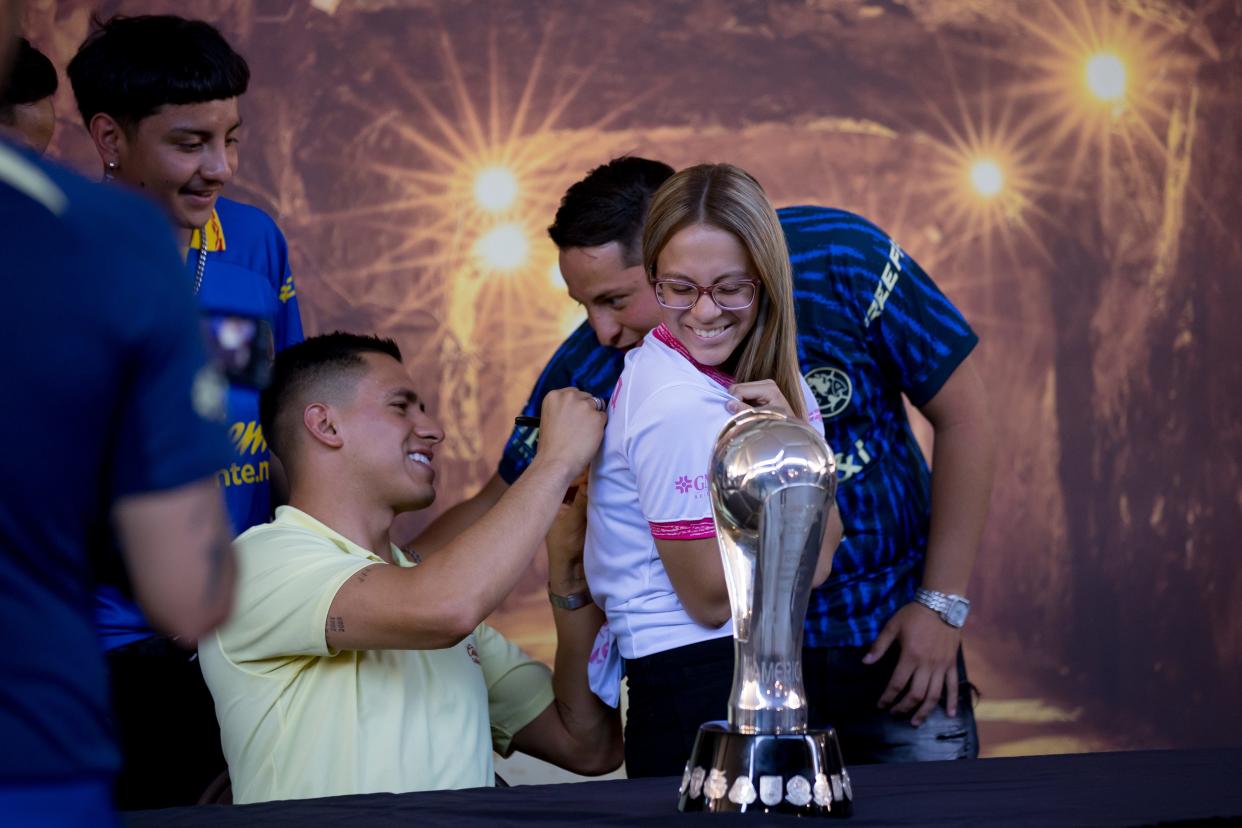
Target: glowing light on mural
<point x="495" y="189"/>
<point x="459" y="176"/>
<point x="1086" y="54"/>
<point x="986" y="177"/>
<point x="1106" y="77"/>
<point x="503" y="248"/>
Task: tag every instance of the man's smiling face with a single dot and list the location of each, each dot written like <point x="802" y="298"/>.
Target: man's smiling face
<point x="182" y="156"/>
<point x="619" y="301"/>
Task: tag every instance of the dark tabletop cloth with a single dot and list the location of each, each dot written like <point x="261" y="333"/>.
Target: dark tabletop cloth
<point x="1138" y="788"/>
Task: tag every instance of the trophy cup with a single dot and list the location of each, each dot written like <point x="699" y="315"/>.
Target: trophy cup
<point x="773" y="480"/>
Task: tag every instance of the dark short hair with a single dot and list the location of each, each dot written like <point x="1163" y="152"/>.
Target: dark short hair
<point x="307" y="366"/>
<point x="33" y="78"/>
<point x="129" y="67"/>
<point x="610" y="205"/>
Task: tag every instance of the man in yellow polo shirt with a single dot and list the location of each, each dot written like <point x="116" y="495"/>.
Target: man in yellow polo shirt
<point x="350" y="667"/>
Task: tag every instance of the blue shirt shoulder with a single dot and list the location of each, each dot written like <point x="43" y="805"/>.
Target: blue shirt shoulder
<point x="580" y="362"/>
<point x="109" y="356"/>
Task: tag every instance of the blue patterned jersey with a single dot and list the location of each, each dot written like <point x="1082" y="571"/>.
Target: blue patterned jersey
<point x="580" y="362"/>
<point x="872" y="326"/>
<point x="246" y="273"/>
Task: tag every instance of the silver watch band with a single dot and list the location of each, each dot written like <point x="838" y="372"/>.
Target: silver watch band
<point x="952" y="609"/>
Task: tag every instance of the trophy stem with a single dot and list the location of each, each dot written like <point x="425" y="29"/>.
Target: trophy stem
<point x="768" y="694"/>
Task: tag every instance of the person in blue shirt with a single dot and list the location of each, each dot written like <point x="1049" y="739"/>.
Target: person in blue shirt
<point x="116" y="424"/>
<point x="159" y="96"/>
<point x="882" y="659"/>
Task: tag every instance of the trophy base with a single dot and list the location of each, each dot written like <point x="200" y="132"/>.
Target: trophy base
<point x="794" y="773"/>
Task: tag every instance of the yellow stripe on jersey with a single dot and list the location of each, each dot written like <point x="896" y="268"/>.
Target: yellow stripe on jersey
<point x="215" y="235"/>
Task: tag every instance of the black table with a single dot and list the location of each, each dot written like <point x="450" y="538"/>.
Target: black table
<point x="1139" y="788"/>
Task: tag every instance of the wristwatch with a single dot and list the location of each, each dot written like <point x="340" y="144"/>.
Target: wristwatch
<point x="952" y="609"/>
<point x="573" y="601"/>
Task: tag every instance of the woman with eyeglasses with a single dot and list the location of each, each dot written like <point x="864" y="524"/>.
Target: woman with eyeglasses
<point x="716" y="258"/>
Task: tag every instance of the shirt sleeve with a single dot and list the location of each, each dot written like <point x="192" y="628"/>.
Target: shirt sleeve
<point x="518" y="687"/>
<point x="915" y="333"/>
<point x="288" y="323"/>
<point x="173" y="404"/>
<point x="287" y="579"/>
<point x="558" y="373"/>
<point x="669" y="439"/>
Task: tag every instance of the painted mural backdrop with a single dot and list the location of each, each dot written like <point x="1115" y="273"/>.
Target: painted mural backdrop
<point x="1069" y="172"/>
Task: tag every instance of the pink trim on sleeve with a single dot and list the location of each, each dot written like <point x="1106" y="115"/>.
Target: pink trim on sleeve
<point x="683" y="529"/>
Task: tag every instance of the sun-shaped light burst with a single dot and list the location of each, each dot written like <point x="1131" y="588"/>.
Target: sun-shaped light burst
<point x="459" y="184"/>
<point x="1102" y="76"/>
<point x="985" y="179"/>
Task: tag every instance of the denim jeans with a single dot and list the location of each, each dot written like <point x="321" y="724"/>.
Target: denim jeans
<point x="842" y="692"/>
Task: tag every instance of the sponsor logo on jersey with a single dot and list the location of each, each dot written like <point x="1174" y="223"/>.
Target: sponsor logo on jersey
<point x="832" y="388"/>
<point x="888" y="281"/>
<point x="851" y="464"/>
<point x="686" y="484"/>
<point x="247" y="439"/>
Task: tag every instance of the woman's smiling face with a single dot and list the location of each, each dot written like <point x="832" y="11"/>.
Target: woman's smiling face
<point x="707" y="256"/>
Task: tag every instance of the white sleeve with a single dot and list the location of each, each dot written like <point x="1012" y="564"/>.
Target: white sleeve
<point x="669" y="443"/>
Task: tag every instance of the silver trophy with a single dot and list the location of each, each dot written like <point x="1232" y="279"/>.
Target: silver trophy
<point x="773" y="482"/>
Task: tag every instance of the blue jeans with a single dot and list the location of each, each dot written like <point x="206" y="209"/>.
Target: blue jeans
<point x="842" y="693"/>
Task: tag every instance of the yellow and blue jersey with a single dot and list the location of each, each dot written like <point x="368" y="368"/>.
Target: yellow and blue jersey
<point x="872" y="326"/>
<point x="246" y="273"/>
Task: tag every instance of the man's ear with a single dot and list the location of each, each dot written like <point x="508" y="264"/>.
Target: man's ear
<point x="109" y="138"/>
<point x="320" y="421"/>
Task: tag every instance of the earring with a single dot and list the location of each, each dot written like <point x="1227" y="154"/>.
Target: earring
<point x="110" y="168"/>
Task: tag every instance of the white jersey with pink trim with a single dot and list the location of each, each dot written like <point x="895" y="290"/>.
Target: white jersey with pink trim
<point x="648" y="481"/>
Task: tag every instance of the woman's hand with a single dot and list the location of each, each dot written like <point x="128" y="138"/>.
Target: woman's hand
<point x="565" y="540"/>
<point x="758" y="394"/>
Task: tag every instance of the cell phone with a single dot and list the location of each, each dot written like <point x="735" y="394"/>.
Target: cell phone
<point x="241" y="347"/>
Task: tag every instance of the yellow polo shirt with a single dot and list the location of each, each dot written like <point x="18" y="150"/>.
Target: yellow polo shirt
<point x="299" y="720"/>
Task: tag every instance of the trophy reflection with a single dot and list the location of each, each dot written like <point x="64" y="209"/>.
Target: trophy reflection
<point x="773" y="481"/>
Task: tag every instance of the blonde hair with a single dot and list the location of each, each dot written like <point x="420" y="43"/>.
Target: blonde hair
<point x="728" y="198"/>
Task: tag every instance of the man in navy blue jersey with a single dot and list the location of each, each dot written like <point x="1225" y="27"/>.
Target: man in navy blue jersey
<point x="113" y="416"/>
<point x="882" y="659"/>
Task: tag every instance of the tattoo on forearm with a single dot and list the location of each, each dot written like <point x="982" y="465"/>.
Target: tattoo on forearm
<point x="336" y="623"/>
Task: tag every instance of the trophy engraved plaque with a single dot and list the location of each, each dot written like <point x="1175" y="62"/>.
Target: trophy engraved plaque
<point x="773" y="482"/>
